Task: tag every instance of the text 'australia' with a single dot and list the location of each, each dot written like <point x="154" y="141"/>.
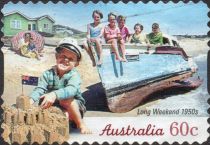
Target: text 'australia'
<point x="149" y="130"/>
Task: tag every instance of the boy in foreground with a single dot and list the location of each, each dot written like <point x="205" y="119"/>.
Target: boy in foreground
<point x="62" y="84"/>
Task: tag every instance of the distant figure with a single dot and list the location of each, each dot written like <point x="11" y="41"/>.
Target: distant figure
<point x="24" y="45"/>
<point x="113" y="36"/>
<point x="155" y="37"/>
<point x="123" y="29"/>
<point x="94" y="35"/>
<point x="31" y="45"/>
<point x="32" y="48"/>
<point x="61" y="84"/>
<point x="138" y="36"/>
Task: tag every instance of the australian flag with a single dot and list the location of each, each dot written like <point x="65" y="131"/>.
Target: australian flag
<point x="29" y="80"/>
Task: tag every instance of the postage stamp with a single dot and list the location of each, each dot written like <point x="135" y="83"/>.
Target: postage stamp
<point x="104" y="72"/>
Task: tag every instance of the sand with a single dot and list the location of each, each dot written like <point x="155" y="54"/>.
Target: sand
<point x="16" y="65"/>
<point x="194" y="47"/>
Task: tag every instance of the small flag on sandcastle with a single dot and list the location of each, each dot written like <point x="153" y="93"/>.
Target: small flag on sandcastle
<point x="29" y="80"/>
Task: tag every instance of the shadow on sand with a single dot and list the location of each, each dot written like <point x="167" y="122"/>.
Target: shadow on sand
<point x="95" y="98"/>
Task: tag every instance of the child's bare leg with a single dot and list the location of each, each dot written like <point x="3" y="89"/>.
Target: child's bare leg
<point x="72" y="108"/>
<point x="40" y="54"/>
<point x="113" y="43"/>
<point x="40" y="50"/>
<point x="37" y="54"/>
<point x="122" y="47"/>
<point x="99" y="49"/>
<point x="89" y="53"/>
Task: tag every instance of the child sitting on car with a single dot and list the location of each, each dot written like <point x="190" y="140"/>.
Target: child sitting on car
<point x="112" y="36"/>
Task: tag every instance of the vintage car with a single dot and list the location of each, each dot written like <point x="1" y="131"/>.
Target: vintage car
<point x="147" y="70"/>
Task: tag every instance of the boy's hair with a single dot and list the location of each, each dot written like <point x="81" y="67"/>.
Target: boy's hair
<point x="112" y="14"/>
<point x="138" y="24"/>
<point x="155" y="25"/>
<point x="120" y="17"/>
<point x="97" y="12"/>
<point x="27" y="34"/>
<point x="70" y="47"/>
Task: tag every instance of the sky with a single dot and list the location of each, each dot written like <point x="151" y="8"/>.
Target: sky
<point x="174" y="19"/>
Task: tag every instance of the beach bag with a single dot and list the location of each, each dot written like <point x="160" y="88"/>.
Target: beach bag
<point x="38" y="40"/>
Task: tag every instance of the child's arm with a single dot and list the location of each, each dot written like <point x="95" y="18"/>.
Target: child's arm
<point x="119" y="37"/>
<point x="147" y="42"/>
<point x="131" y="38"/>
<point x="109" y="36"/>
<point x="88" y="31"/>
<point x="128" y="34"/>
<point x="40" y="89"/>
<point x="161" y="38"/>
<point x="21" y="43"/>
<point x="102" y="32"/>
<point x="146" y="39"/>
<point x="106" y="34"/>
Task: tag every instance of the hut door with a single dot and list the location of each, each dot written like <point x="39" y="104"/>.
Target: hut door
<point x="29" y="26"/>
<point x="33" y="27"/>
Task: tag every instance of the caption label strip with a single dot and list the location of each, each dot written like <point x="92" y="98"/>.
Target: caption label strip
<point x="144" y="129"/>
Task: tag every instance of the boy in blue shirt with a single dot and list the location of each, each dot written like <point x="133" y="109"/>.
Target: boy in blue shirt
<point x="62" y="83"/>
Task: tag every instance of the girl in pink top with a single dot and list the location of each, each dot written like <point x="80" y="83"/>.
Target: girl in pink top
<point x="123" y="29"/>
<point x="112" y="36"/>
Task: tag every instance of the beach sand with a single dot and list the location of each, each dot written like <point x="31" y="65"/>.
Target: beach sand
<point x="16" y="65"/>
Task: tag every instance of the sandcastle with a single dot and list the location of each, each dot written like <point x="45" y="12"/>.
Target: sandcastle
<point x="27" y="123"/>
